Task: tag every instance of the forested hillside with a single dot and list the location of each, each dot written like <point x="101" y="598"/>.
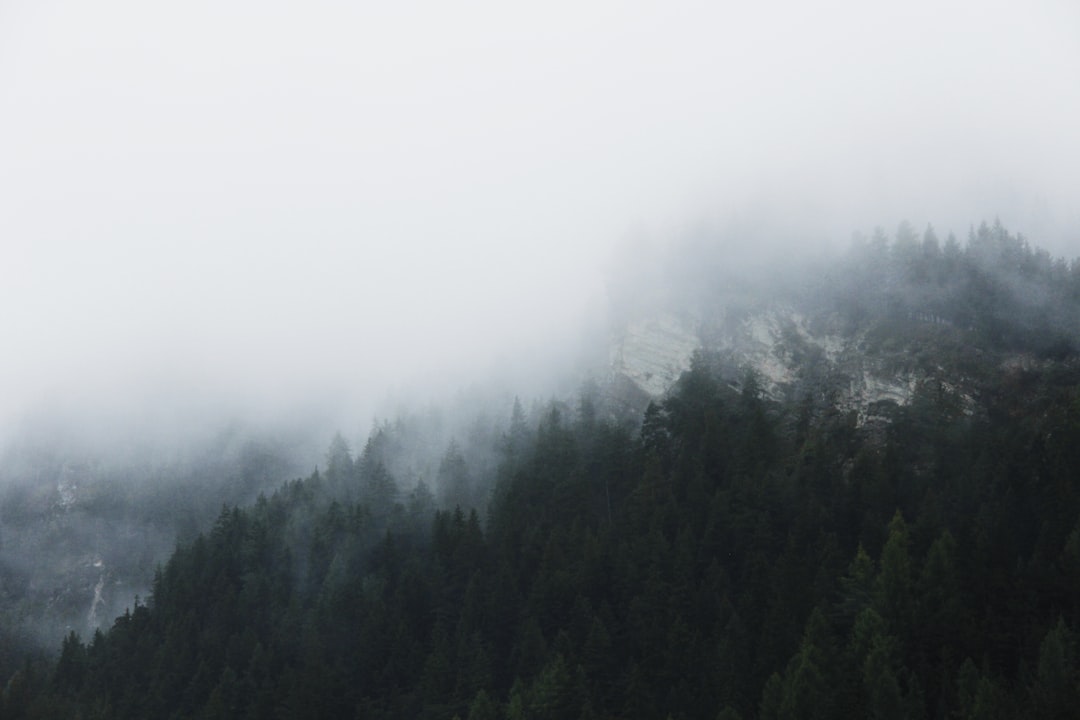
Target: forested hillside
<point x="726" y="555"/>
<point x="83" y="523"/>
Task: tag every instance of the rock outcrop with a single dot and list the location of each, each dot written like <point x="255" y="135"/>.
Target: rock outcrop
<point x="791" y="354"/>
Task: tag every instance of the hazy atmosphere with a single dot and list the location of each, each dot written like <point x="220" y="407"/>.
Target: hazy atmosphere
<point x="272" y="204"/>
<point x="553" y="361"/>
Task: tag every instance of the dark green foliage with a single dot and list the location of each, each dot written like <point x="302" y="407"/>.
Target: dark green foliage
<point x="736" y="557"/>
<point x="454" y="481"/>
<point x="1008" y="295"/>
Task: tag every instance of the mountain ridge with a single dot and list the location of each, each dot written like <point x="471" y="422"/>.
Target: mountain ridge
<point x="858" y="498"/>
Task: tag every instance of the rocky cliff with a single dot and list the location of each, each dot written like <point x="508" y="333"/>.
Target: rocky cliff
<point x="794" y="354"/>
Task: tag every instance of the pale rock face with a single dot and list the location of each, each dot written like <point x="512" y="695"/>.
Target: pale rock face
<point x="777" y="343"/>
<point x="756" y="344"/>
<point x="653" y="352"/>
<point x="867" y="389"/>
<point x="781" y="347"/>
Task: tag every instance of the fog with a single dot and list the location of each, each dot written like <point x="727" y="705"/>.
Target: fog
<point x="298" y="210"/>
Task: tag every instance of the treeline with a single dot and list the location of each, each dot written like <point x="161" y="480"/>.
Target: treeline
<point x="1008" y="294"/>
<point x="73" y="513"/>
<point x="729" y="557"/>
<point x="713" y="564"/>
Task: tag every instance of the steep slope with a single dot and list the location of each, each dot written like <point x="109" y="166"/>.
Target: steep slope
<point x="865" y="331"/>
<point x="83" y="526"/>
<point x="858" y="500"/>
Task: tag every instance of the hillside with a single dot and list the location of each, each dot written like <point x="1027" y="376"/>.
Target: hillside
<point x="856" y="497"/>
<point x="84" y="523"/>
<point x="860" y="330"/>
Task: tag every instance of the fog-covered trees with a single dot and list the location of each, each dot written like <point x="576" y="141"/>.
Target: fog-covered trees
<point x="454" y="481"/>
<point x="1007" y="293"/>
<point x="730" y="556"/>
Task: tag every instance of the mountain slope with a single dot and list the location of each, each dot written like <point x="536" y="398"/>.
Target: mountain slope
<point x="752" y="545"/>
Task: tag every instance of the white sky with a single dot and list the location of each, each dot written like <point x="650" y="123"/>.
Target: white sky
<point x="284" y="197"/>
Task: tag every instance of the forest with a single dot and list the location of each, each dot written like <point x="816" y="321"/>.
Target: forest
<point x="725" y="554"/>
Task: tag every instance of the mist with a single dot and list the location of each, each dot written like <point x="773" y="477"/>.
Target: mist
<point x="265" y="211"/>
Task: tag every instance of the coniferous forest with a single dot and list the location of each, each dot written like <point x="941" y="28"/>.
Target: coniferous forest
<point x="725" y="554"/>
